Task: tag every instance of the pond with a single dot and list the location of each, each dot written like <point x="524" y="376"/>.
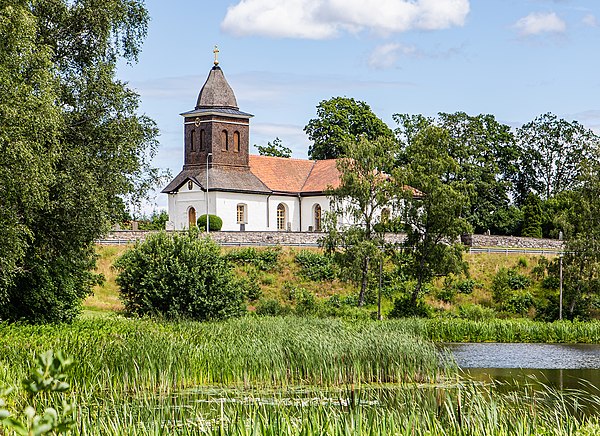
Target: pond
<point x="565" y="366"/>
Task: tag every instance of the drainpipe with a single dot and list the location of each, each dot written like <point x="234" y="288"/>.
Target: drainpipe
<point x="300" y="210"/>
<point x="268" y="223"/>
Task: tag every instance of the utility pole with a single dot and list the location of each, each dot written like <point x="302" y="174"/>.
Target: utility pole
<point x="560" y="269"/>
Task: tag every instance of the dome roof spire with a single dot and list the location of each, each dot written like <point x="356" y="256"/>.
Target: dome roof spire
<point x="216" y="92"/>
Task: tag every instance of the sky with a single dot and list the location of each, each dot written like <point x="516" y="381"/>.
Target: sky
<point x="514" y="59"/>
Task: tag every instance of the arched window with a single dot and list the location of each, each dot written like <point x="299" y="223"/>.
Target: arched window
<point x="385" y="216"/>
<point x="236" y="142"/>
<point x="241" y="214"/>
<point x="191" y="217"/>
<point x="202" y="140"/>
<point x="281" y="216"/>
<point x="192" y="139"/>
<point x="317" y="217"/>
<point x="224" y="142"/>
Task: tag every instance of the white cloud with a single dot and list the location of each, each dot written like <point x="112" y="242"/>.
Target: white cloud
<point x="590" y="20"/>
<point x="386" y="55"/>
<point x="539" y="22"/>
<point x="320" y="19"/>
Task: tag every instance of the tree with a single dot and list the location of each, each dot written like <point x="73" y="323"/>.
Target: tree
<point x="581" y="259"/>
<point x="552" y="153"/>
<point x="363" y="192"/>
<point x="178" y="276"/>
<point x="484" y="152"/>
<point x="96" y="151"/>
<point x="275" y="149"/>
<point x="532" y="217"/>
<point x="341" y="121"/>
<point x="433" y="220"/>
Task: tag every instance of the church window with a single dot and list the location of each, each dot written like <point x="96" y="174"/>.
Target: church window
<point x="192" y="135"/>
<point x="202" y="140"/>
<point x="241" y="214"/>
<point x="317" y="216"/>
<point x="236" y="142"/>
<point x="224" y="142"/>
<point x="190" y="185"/>
<point x="281" y="216"/>
<point x="192" y="217"/>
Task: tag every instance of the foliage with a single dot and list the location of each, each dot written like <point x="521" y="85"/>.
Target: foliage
<point x="532" y="217"/>
<point x="265" y="259"/>
<point x="552" y="154"/>
<point x="405" y="307"/>
<point x="48" y="378"/>
<point x="156" y="221"/>
<point x="364" y="190"/>
<point x="275" y="149"/>
<point x="71" y="129"/>
<point x="519" y="302"/>
<point x="484" y="152"/>
<point x="178" y="276"/>
<point x="316" y="266"/>
<point x="432" y="214"/>
<point x="342" y="121"/>
<point x="475" y="312"/>
<point x="505" y="282"/>
<point x="271" y="307"/>
<point x="215" y="222"/>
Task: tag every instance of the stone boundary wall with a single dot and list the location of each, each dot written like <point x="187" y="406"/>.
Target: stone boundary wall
<point x="510" y="242"/>
<point x="312" y="238"/>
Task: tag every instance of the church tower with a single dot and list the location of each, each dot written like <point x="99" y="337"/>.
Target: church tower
<point x="216" y="131"/>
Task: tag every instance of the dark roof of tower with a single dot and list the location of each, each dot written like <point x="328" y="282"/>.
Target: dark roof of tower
<point x="216" y="92"/>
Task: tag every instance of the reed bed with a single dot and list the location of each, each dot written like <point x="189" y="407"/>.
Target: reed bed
<point x="500" y="330"/>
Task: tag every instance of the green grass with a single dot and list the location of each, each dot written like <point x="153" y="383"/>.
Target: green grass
<point x="277" y="376"/>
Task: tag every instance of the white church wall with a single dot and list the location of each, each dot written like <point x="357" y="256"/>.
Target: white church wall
<point x="292" y="218"/>
<point x="308" y="211"/>
<point x="255" y="207"/>
<point x="181" y="202"/>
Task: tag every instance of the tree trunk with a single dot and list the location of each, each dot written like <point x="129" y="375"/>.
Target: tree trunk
<point x="363" y="285"/>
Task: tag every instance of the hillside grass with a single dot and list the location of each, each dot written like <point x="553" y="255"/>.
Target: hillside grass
<point x="275" y="284"/>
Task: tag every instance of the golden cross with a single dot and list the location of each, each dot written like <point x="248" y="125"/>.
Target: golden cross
<point x="216" y="52"/>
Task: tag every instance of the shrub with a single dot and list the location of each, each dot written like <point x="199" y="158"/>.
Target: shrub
<point x="404" y="308"/>
<point x="519" y="303"/>
<point x="316" y="266"/>
<point x="506" y="281"/>
<point x="271" y="307"/>
<point x="264" y="259"/>
<point x="178" y="276"/>
<point x="475" y="312"/>
<point x="215" y="222"/>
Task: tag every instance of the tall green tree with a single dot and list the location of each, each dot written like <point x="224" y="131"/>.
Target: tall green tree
<point x="96" y="153"/>
<point x="552" y="153"/>
<point x="363" y="192"/>
<point x="433" y="215"/>
<point x="275" y="149"/>
<point x="532" y="217"/>
<point x="341" y="121"/>
<point x="485" y="156"/>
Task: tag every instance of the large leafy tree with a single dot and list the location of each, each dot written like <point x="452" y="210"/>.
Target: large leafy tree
<point x="341" y="121"/>
<point x="552" y="153"/>
<point x="485" y="157"/>
<point x="96" y="152"/>
<point x="274" y="149"/>
<point x="433" y="220"/>
<point x="363" y="192"/>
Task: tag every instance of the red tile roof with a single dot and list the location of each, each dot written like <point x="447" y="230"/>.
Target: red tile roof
<point x="295" y="175"/>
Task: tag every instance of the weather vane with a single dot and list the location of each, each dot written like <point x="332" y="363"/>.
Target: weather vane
<point x="216" y="52"/>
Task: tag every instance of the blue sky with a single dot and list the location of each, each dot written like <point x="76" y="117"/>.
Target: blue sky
<point x="515" y="59"/>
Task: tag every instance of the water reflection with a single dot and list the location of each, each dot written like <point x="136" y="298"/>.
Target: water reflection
<point x="563" y="366"/>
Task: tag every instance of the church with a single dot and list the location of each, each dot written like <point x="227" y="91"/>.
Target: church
<point x="248" y="192"/>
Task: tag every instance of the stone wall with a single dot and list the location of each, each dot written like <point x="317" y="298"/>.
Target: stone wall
<point x="312" y="238"/>
<point x="510" y="242"/>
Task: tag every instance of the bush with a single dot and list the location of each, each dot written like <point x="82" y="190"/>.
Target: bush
<point x="266" y="259"/>
<point x="404" y="308"/>
<point x="519" y="303"/>
<point x="178" y="276"/>
<point x="506" y="281"/>
<point x="215" y="222"/>
<point x="316" y="266"/>
<point x="271" y="307"/>
<point x="475" y="312"/>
